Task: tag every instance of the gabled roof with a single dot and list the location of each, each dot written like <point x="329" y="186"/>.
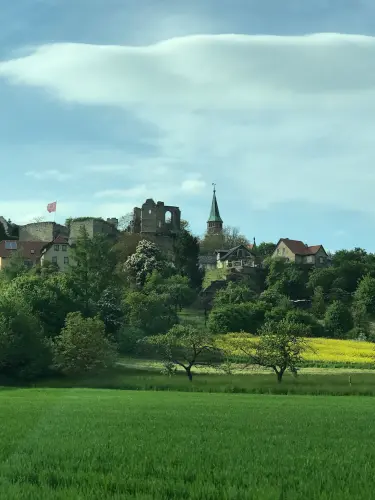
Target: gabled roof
<point x="232" y="250"/>
<point x="29" y="249"/>
<point x="59" y="240"/>
<point x="299" y="248"/>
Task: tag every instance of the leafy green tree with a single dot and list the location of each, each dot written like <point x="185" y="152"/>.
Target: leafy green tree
<point x="83" y="346"/>
<point x="276" y="270"/>
<point x="280" y="347"/>
<point x="92" y="269"/>
<point x="185" y="346"/>
<point x="15" y="266"/>
<point x="312" y="327"/>
<point x="24" y="352"/>
<point x="153" y="313"/>
<point x="361" y="320"/>
<point x="186" y="258"/>
<point x="265" y="249"/>
<point x="141" y="264"/>
<point x="322" y="277"/>
<point x="48" y="298"/>
<point x="365" y="293"/>
<point x="234" y="293"/>
<point x="177" y="287"/>
<point x="318" y="303"/>
<point x="110" y="310"/>
<point x="247" y="317"/>
<point x="338" y="319"/>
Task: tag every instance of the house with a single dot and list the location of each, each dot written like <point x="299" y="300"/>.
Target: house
<point x="58" y="252"/>
<point x="235" y="258"/>
<point x="207" y="262"/>
<point x="29" y="250"/>
<point x="300" y="253"/>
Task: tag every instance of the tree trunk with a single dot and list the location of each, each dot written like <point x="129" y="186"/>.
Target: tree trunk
<point x="189" y="374"/>
<point x="279" y="375"/>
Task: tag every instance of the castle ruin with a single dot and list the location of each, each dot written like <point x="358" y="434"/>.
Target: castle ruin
<point x="156" y="219"/>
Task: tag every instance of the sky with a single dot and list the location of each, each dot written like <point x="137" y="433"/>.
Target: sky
<point x="104" y="103"/>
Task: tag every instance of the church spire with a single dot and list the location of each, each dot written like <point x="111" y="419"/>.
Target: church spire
<point x="215" y="222"/>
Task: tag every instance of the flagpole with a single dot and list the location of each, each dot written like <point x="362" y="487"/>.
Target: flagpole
<point x="54" y="213"/>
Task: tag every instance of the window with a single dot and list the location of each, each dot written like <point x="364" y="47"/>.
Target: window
<point x="310" y="259"/>
<point x="278" y="251"/>
<point x="54" y="260"/>
<point x="321" y="260"/>
<point x="283" y="251"/>
<point x="66" y="260"/>
<point x="28" y="263"/>
<point x="57" y="248"/>
<point x="11" y="245"/>
<point x="63" y="248"/>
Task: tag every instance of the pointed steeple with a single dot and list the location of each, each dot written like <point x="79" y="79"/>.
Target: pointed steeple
<point x="215" y="222"/>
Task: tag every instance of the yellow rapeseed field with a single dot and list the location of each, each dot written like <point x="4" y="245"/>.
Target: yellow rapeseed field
<point x="322" y="350"/>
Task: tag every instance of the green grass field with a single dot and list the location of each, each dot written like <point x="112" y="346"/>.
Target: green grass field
<point x="92" y="444"/>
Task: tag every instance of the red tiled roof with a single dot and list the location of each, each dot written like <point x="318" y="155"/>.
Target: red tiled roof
<point x="29" y="249"/>
<point x="299" y="248"/>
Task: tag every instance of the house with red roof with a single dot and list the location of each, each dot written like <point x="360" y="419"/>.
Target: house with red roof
<point x="29" y="250"/>
<point x="301" y="253"/>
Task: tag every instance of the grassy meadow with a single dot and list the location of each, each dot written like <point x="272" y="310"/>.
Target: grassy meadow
<point x="97" y="444"/>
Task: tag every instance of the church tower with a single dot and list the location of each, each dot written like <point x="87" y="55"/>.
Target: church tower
<point x="215" y="222"/>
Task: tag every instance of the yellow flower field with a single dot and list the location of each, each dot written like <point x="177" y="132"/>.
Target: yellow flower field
<point x="322" y="350"/>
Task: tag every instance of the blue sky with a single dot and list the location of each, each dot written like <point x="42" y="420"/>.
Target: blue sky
<point x="105" y="103"/>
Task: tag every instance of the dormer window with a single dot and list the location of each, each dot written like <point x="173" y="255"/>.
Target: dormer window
<point x="57" y="248"/>
<point x="63" y="248"/>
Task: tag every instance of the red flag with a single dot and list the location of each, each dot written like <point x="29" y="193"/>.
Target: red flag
<point x="51" y="207"/>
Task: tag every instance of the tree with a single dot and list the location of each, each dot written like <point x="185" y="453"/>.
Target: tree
<point x="186" y="257"/>
<point x="92" y="269"/>
<point x="49" y="299"/>
<point x="264" y="249"/>
<point x="318" y="304"/>
<point x="234" y="293"/>
<point x="365" y="293"/>
<point x="280" y="347"/>
<point x="323" y="277"/>
<point x="361" y="319"/>
<point x="179" y="290"/>
<point x="246" y="317"/>
<point x="153" y="313"/>
<point x="15" y="266"/>
<point x="146" y="259"/>
<point x="24" y="352"/>
<point x="229" y="238"/>
<point x="185" y="346"/>
<point x="83" y="346"/>
<point x="110" y="310"/>
<point x="338" y="319"/>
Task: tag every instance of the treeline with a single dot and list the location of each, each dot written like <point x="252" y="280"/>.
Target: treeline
<point x="113" y="295"/>
<point x="341" y="298"/>
<point x="118" y="293"/>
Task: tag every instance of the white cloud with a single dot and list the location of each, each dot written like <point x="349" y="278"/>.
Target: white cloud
<point x="205" y="71"/>
<point x="193" y="186"/>
<point x="276" y="118"/>
<point x="132" y="193"/>
<point x="47" y="175"/>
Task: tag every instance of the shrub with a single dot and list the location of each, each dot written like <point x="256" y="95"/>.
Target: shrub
<point x="128" y="337"/>
<point x="83" y="346"/>
<point x="24" y="352"/>
<point x="338" y="320"/>
<point x="247" y="317"/>
<point x="314" y="328"/>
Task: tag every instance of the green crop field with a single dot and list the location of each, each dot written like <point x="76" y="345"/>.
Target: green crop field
<point x="99" y="444"/>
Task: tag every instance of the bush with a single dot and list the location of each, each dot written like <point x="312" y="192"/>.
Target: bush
<point x="338" y="320"/>
<point x="314" y="328"/>
<point x="24" y="352"/>
<point x="127" y="338"/>
<point x="247" y="317"/>
<point x="83" y="346"/>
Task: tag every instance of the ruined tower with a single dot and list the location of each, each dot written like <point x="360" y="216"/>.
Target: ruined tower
<point x="215" y="222"/>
